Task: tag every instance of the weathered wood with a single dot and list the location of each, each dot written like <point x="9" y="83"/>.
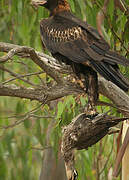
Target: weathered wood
<point x="63" y="85"/>
<point x="83" y="132"/>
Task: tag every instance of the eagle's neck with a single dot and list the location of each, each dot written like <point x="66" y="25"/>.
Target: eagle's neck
<point x="62" y="5"/>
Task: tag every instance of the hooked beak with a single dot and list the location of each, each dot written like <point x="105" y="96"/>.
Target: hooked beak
<point x="37" y="3"/>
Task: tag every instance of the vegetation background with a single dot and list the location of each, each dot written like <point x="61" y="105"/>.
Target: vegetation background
<point x="22" y="145"/>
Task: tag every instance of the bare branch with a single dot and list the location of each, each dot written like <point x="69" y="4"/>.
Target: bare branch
<point x="121" y="5"/>
<point x="121" y="154"/>
<point x="17" y="76"/>
<point x="21" y="76"/>
<point x="24" y="51"/>
<point x="63" y="87"/>
<point x="106" y="88"/>
<point x="10" y="54"/>
<point x="115" y="94"/>
<point x="100" y="17"/>
<point x="83" y="132"/>
<point x="111" y="27"/>
<point x="26" y="117"/>
<point x="39" y="93"/>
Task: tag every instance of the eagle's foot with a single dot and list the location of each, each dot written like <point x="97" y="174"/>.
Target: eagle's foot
<point x="77" y="99"/>
<point x="90" y="110"/>
<point x="71" y="174"/>
<point x="79" y="81"/>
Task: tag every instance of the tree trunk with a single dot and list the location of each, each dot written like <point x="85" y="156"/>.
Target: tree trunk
<point x="125" y="160"/>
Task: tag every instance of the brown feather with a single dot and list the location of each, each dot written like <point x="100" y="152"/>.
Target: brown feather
<point x="69" y="38"/>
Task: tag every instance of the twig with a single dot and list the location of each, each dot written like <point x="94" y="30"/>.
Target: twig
<point x="27" y="116"/>
<point x="111" y="27"/>
<point x="105" y="87"/>
<point x="121" y="5"/>
<point x="32" y="115"/>
<point x="102" y="103"/>
<point x="121" y="154"/>
<point x="21" y="76"/>
<point x="100" y="17"/>
<point x="29" y="52"/>
<point x="106" y="161"/>
<point x="40" y="148"/>
<point x="17" y="76"/>
<point x="11" y="53"/>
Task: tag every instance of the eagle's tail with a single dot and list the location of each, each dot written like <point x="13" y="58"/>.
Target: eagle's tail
<point x="111" y="73"/>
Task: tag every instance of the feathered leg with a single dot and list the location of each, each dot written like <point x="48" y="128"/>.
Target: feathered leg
<point x="90" y="83"/>
<point x="92" y="92"/>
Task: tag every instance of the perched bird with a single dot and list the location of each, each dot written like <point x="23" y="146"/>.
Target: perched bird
<point x="75" y="42"/>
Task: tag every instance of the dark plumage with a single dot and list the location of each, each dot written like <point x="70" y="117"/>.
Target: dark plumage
<point x="73" y="41"/>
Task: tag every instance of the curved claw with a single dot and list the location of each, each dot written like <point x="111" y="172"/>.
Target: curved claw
<point x="75" y="175"/>
<point x="72" y="174"/>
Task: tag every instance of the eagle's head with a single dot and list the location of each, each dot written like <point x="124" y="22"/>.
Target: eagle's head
<point x="48" y="4"/>
<point x="52" y="5"/>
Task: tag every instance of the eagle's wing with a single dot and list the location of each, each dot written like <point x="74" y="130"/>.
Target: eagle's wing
<point x="67" y="35"/>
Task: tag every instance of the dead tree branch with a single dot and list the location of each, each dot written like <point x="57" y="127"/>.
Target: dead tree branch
<point x="53" y="68"/>
<point x="24" y="51"/>
<point x="81" y="133"/>
<point x="62" y="87"/>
